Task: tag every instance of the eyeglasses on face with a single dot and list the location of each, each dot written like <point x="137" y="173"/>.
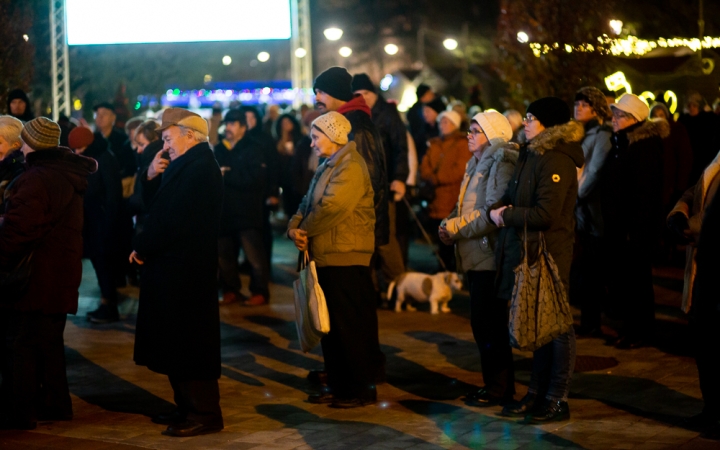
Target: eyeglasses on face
<point x="529" y="118"/>
<point x="473" y="133"/>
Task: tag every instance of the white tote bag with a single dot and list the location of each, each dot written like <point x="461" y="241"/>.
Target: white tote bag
<point x="311" y="313"/>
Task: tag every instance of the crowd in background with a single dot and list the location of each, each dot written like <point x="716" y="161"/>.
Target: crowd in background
<point x="613" y="188"/>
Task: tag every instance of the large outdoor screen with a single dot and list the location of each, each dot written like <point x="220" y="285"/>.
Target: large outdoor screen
<point x="91" y="22"/>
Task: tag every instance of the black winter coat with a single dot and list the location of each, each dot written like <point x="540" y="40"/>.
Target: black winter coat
<point x="102" y="202"/>
<point x="44" y="213"/>
<point x="542" y="190"/>
<point x="178" y="324"/>
<point x="369" y="144"/>
<point x="11" y="167"/>
<point x="245" y="183"/>
<point x="394" y="138"/>
<point x="136" y="205"/>
<point x="704" y="140"/>
<point x="124" y="154"/>
<point x="631" y="183"/>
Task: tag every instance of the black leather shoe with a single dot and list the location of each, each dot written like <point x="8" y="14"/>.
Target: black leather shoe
<point x="321" y="398"/>
<point x="104" y="314"/>
<point x="318" y="377"/>
<point x="347" y="403"/>
<point x="521" y="408"/>
<point x="191" y="428"/>
<point x="552" y="411"/>
<point x="483" y="397"/>
<point x="629" y="343"/>
<point x="174" y="417"/>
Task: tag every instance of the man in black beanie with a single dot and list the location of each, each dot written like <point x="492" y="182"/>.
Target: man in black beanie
<point x="333" y="92"/>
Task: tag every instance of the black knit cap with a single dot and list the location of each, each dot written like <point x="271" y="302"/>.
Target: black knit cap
<point x="235" y="115"/>
<point x="336" y="82"/>
<point x="438" y="105"/>
<point x="362" y="82"/>
<point x="421" y="90"/>
<point x="550" y="111"/>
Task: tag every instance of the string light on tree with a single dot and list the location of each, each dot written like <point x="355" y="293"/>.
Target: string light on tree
<point x="616" y="26"/>
<point x="523" y="37"/>
<point x="629" y="46"/>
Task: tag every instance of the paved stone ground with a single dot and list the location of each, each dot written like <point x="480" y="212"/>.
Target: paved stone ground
<point x="431" y="361"/>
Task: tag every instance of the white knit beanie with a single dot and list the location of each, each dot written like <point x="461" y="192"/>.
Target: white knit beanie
<point x="335" y="126"/>
<point x="494" y="125"/>
<point x="452" y="116"/>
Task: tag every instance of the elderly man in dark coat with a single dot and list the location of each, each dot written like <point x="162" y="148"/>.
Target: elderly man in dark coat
<point x="43" y="216"/>
<point x="178" y="325"/>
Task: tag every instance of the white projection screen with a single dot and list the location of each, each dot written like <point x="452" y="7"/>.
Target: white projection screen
<point x="93" y="22"/>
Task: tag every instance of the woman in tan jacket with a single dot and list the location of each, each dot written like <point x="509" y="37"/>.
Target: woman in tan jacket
<point x="444" y="166"/>
<point x="336" y="224"/>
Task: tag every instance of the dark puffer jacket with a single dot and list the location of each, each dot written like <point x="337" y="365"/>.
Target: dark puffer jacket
<point x="369" y="145"/>
<point x="542" y="190"/>
<point x="44" y="213"/>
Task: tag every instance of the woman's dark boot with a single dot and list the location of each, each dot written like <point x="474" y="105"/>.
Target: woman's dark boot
<point x="521" y="408"/>
<point x="552" y="411"/>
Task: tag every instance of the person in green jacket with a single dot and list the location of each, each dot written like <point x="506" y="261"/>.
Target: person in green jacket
<point x="336" y="224"/>
<point x="474" y="235"/>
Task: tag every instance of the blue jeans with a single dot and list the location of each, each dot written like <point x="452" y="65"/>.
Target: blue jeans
<point x="553" y="366"/>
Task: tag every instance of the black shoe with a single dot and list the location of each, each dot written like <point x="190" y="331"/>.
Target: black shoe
<point x="629" y="343"/>
<point x="321" y="398"/>
<point x="347" y="403"/>
<point x="104" y="314"/>
<point x="483" y="397"/>
<point x="191" y="428"/>
<point x="522" y="408"/>
<point x="584" y="331"/>
<point x="552" y="411"/>
<point x="318" y="377"/>
<point x="701" y="422"/>
<point x="172" y="418"/>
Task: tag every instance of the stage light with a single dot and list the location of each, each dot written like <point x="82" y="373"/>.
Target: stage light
<point x="300" y="52"/>
<point x="333" y="34"/>
<point x="227" y="60"/>
<point x="450" y="44"/>
<point x="263" y="56"/>
<point x="391" y="49"/>
<point x="345" y="51"/>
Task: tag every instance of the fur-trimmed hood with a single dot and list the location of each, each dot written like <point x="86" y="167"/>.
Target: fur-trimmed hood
<point x="548" y="139"/>
<point x="558" y="137"/>
<point x="650" y="128"/>
<point x="499" y="151"/>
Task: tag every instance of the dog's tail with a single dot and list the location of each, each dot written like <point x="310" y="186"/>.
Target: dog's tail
<point x="391" y="286"/>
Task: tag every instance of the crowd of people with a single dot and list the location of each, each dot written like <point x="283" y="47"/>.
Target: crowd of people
<point x="608" y="188"/>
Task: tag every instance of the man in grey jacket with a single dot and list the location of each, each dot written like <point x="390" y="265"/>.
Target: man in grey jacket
<point x="486" y="177"/>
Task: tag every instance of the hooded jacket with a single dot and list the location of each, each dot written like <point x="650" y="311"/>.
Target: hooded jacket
<point x="542" y="193"/>
<point x="44" y="214"/>
<point x="475" y="234"/>
<point x="16" y="94"/>
<point x="369" y="145"/>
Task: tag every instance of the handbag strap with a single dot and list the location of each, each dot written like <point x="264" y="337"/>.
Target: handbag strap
<point x="525" y="239"/>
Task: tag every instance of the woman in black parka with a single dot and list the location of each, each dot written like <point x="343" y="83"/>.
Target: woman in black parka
<point x="542" y="192"/>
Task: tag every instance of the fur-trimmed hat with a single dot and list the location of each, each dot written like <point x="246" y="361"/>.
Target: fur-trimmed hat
<point x="596" y="99"/>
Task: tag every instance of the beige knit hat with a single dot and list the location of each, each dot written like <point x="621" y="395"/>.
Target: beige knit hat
<point x="335" y="126"/>
<point x="41" y="134"/>
<point x="452" y="116"/>
<point x="494" y="125"/>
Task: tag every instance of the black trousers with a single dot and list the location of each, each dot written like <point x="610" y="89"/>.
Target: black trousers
<point x="707" y="338"/>
<point x="198" y="400"/>
<point x="588" y="280"/>
<point x="446" y="252"/>
<point x="104" y="266"/>
<point x="352" y="347"/>
<point x="630" y="285"/>
<point x="489" y="322"/>
<point x="34" y="381"/>
<point x="252" y="242"/>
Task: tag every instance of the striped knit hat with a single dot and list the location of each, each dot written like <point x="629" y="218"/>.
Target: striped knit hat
<point x="41" y="134"/>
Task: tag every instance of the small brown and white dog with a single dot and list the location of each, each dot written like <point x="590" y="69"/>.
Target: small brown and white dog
<point x="436" y="289"/>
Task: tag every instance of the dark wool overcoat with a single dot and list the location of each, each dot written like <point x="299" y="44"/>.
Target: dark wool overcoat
<point x="178" y="324"/>
<point x="44" y="214"/>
